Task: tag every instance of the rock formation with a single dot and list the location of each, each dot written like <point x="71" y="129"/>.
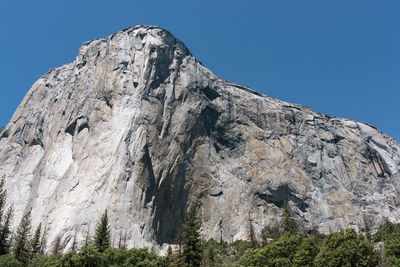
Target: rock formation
<point x="138" y="126"/>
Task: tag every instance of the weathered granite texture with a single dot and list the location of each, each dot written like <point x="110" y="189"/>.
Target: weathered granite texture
<point x="138" y="126"/>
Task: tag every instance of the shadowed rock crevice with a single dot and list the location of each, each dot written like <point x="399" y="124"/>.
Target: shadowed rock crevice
<point x="280" y="195"/>
<point x="170" y="204"/>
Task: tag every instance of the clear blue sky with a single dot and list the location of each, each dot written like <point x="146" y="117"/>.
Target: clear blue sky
<point x="341" y="57"/>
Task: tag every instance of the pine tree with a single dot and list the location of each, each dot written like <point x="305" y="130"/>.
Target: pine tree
<point x="102" y="236"/>
<point x="289" y="226"/>
<point x="21" y="240"/>
<point x="191" y="255"/>
<point x="35" y="243"/>
<point x="5" y="220"/>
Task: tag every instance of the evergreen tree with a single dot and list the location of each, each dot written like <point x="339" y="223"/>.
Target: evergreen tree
<point x="191" y="255"/>
<point x="289" y="226"/>
<point x="5" y="232"/>
<point x="169" y="257"/>
<point x="35" y="243"/>
<point x="21" y="240"/>
<point x="5" y="220"/>
<point x="102" y="236"/>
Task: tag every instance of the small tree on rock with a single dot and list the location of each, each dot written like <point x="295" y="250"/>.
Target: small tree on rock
<point x="102" y="236"/>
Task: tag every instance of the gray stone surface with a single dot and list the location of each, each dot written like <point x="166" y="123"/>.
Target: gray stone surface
<point x="138" y="126"/>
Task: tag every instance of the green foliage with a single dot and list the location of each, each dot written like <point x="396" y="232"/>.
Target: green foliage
<point x="192" y="253"/>
<point x="346" y="248"/>
<point x="169" y="258"/>
<point x="214" y="252"/>
<point x="22" y="237"/>
<point x="386" y="229"/>
<point x="35" y="242"/>
<point x="5" y="220"/>
<point x="392" y="250"/>
<point x="102" y="236"/>
<point x="279" y="253"/>
<point x="306" y="253"/>
<point x="41" y="261"/>
<point x="289" y="225"/>
<point x="9" y="261"/>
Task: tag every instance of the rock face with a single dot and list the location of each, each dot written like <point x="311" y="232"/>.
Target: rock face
<point x="138" y="126"/>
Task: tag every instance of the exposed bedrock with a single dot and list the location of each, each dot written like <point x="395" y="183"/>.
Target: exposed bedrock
<point x="138" y="126"/>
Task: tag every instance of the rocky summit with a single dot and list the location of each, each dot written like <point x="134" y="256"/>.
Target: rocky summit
<point x="138" y="126"/>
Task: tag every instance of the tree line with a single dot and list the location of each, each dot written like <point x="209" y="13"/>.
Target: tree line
<point x="288" y="247"/>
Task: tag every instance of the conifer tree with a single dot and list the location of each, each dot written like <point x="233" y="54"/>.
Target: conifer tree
<point x="21" y="240"/>
<point x="35" y="242"/>
<point x="191" y="255"/>
<point x="102" y="235"/>
<point x="289" y="225"/>
<point x="5" y="220"/>
<point x="5" y="232"/>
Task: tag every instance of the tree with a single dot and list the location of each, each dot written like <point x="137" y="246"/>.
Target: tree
<point x="289" y="225"/>
<point x="102" y="236"/>
<point x="169" y="255"/>
<point x="346" y="248"/>
<point x="279" y="253"/>
<point x="392" y="250"/>
<point x="21" y="240"/>
<point x="191" y="255"/>
<point x="5" y="220"/>
<point x="35" y="243"/>
<point x="385" y="230"/>
<point x="306" y="253"/>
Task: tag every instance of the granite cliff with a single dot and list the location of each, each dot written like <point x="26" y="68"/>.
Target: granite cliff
<point x="138" y="126"/>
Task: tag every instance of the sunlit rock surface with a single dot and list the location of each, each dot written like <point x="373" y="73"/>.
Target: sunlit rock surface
<point x="138" y="126"/>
